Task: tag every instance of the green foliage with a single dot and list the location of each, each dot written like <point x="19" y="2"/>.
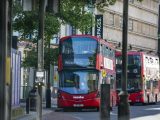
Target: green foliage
<point x="73" y="12"/>
<point x="52" y="26"/>
<point x="26" y="22"/>
<point x="50" y="57"/>
<point x="17" y="8"/>
<point x="31" y="59"/>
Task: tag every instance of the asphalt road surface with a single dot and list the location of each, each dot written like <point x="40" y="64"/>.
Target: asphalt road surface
<point x="137" y="112"/>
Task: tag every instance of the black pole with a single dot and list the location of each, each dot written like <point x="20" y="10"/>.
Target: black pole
<point x="123" y="107"/>
<point x="105" y="102"/>
<point x="48" y="91"/>
<point x="3" y="55"/>
<point x="9" y="46"/>
<point x="40" y="55"/>
<point x="159" y="32"/>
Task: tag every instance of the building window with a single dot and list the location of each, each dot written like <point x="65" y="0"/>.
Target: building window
<point x="131" y="1"/>
<point x="146" y="3"/>
<point x="155" y="32"/>
<point x="135" y="26"/>
<point x="109" y="19"/>
<point x="116" y="20"/>
<point x="130" y="25"/>
<point x="145" y="29"/>
<point x="137" y="2"/>
<point x="154" y="5"/>
<point x="121" y="22"/>
<point x="139" y="27"/>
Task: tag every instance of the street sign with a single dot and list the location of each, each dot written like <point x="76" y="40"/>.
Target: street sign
<point x="104" y="73"/>
<point x="40" y="74"/>
<point x="99" y="26"/>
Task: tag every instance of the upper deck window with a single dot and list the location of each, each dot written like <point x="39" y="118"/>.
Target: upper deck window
<point x="132" y="60"/>
<point x="81" y="45"/>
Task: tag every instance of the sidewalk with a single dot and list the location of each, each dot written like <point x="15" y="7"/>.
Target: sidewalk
<point x="47" y="114"/>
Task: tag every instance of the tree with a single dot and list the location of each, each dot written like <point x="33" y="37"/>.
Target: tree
<point x="26" y="22"/>
<point x="73" y="12"/>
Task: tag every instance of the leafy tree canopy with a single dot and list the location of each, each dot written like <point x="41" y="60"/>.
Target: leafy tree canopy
<point x="72" y="12"/>
<point x="49" y="57"/>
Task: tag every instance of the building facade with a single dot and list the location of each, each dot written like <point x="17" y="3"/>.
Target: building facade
<point x="142" y="24"/>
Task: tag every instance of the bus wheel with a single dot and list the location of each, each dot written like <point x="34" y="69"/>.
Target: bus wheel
<point x="131" y="103"/>
<point x="144" y="103"/>
<point x="66" y="109"/>
<point x="97" y="109"/>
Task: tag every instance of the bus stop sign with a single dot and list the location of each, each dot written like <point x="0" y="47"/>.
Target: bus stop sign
<point x="104" y="73"/>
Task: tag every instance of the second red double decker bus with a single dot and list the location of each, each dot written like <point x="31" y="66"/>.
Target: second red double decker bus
<point x="81" y="61"/>
<point x="143" y="81"/>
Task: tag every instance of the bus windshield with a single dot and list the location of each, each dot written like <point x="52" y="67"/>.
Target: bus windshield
<point x="80" y="45"/>
<point x="79" y="82"/>
<point x="79" y="52"/>
<point x="132" y="60"/>
<point x="132" y="84"/>
<point x="133" y="72"/>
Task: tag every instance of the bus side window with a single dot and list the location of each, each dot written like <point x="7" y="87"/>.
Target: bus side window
<point x="103" y="50"/>
<point x="155" y="83"/>
<point x="106" y="51"/>
<point x="148" y="84"/>
<point x="112" y="82"/>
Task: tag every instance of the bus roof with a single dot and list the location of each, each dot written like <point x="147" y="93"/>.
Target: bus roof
<point x="74" y="36"/>
<point x="89" y="36"/>
<point x="130" y="53"/>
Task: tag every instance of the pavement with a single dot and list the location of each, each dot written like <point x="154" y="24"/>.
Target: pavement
<point x="47" y="113"/>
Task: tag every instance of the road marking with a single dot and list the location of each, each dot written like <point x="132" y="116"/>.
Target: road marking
<point x="152" y="109"/>
<point x="111" y="113"/>
<point x="77" y="118"/>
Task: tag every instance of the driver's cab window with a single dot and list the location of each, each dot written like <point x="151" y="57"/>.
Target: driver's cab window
<point x="112" y="82"/>
<point x="148" y="84"/>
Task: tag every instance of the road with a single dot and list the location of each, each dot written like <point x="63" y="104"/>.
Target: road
<point x="137" y="112"/>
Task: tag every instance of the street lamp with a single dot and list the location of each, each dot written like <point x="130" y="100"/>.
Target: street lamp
<point x="123" y="107"/>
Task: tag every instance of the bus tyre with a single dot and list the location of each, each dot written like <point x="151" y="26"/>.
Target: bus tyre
<point x="66" y="109"/>
<point x="97" y="109"/>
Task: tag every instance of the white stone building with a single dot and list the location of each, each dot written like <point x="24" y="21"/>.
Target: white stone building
<point x="142" y="24"/>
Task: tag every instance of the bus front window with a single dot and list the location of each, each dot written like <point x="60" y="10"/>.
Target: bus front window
<point x="79" y="52"/>
<point x="134" y="84"/>
<point x="79" y="82"/>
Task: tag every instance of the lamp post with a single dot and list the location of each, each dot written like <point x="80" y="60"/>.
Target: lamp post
<point x="159" y="30"/>
<point x="123" y="107"/>
<point x="105" y="97"/>
<point x="40" y="57"/>
<point x="5" y="53"/>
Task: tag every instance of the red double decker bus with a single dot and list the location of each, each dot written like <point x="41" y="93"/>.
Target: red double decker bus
<point x="143" y="81"/>
<point x="81" y="61"/>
